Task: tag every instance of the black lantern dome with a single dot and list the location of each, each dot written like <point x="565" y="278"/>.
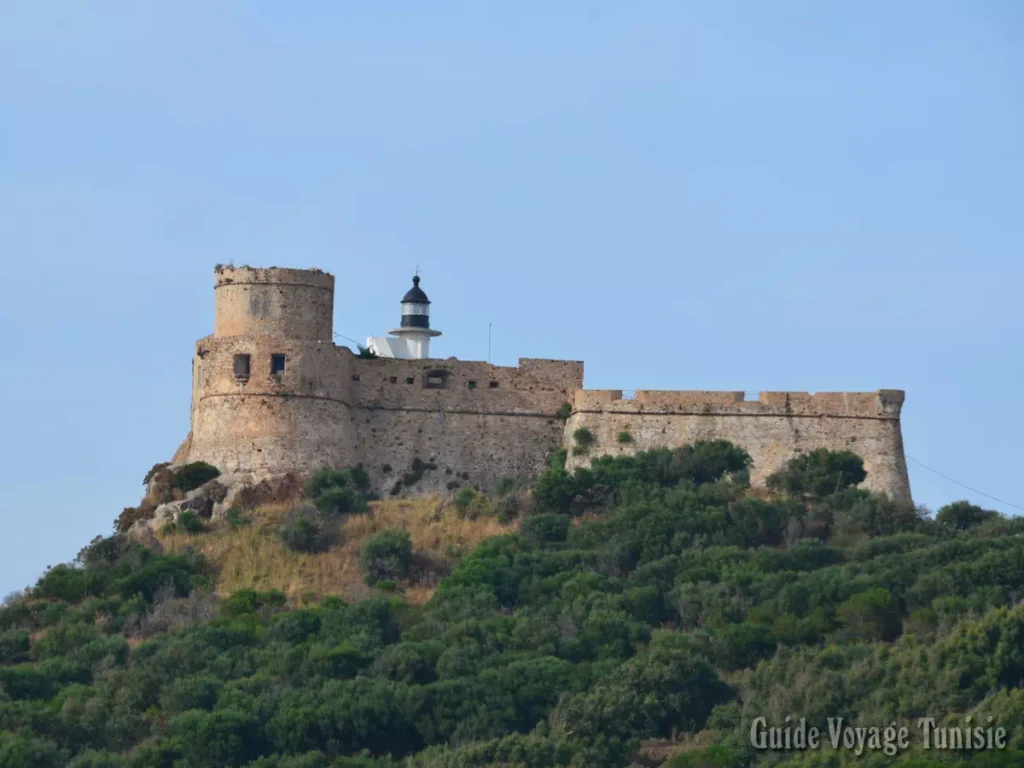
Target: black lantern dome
<point x="415" y="307"/>
<point x="415" y="295"/>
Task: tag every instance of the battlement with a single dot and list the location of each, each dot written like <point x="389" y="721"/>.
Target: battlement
<point x="882" y="404"/>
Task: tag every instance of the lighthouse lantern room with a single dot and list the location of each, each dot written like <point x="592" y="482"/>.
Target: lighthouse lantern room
<point x="411" y="340"/>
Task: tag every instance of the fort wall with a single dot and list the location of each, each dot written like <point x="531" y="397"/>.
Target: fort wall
<point x="772" y="429"/>
<point x="272" y="393"/>
<point x="474" y="421"/>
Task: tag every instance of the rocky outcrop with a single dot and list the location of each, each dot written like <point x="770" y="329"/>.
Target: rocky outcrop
<point x="247" y="491"/>
<point x="212" y="500"/>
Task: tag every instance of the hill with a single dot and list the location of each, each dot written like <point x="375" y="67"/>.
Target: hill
<point x="644" y="611"/>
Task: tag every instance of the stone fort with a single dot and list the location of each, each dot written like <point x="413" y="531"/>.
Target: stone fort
<point x="273" y="393"/>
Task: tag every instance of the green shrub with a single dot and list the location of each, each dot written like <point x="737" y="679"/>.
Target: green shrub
<point x="584" y="438"/>
<point x="359" y="478"/>
<point x="190" y="522"/>
<point x="648" y="696"/>
<point x="508" y="509"/>
<point x="236" y="518"/>
<point x="338" y="491"/>
<point x="611" y="478"/>
<point x="737" y="646"/>
<point x="65" y="582"/>
<point x="464" y="499"/>
<point x="306" y="532"/>
<point x="555" y="490"/>
<point x="14" y="646"/>
<point x="564" y="411"/>
<point x="341" y="501"/>
<point x="23" y="750"/>
<point x="505" y="485"/>
<point x="818" y="474"/>
<point x="249" y="601"/>
<point x="324" y="480"/>
<point x="386" y="556"/>
<point x="859" y="512"/>
<point x="102" y="551"/>
<point x="545" y="528"/>
<point x="923" y="621"/>
<point x="191" y="692"/>
<point x="625" y="437"/>
<point x="190" y="476"/>
<point x="355" y="478"/>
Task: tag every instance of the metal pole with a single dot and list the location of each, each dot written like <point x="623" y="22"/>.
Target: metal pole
<point x="488" y="342"/>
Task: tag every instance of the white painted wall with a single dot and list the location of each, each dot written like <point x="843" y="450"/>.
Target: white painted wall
<point x="406" y="347"/>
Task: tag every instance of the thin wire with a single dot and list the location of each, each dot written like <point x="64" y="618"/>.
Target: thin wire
<point x="964" y="485"/>
<point x="346" y="338"/>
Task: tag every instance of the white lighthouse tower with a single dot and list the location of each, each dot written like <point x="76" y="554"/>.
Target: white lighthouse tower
<point x="410" y="341"/>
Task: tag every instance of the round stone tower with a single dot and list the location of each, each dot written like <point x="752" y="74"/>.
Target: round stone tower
<point x="269" y="387"/>
<point x="289" y="303"/>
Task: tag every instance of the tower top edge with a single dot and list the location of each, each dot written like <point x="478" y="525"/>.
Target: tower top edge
<point x="246" y="275"/>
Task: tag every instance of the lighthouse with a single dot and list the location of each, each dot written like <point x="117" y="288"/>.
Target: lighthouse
<point x="411" y="340"/>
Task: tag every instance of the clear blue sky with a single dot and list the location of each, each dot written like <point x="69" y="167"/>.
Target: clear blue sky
<point x="788" y="195"/>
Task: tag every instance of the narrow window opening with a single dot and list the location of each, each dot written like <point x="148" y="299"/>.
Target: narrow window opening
<point x="393" y="379"/>
<point x="242" y="366"/>
<point x="492" y="384"/>
<point x="355" y="377"/>
<point x="409" y="379"/>
<point x="435" y="380"/>
<point x="471" y="385"/>
<point x="276" y="364"/>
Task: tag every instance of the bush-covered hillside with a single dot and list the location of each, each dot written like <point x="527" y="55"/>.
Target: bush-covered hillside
<point x="643" y="612"/>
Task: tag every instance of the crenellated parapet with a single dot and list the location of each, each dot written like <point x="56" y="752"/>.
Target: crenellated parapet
<point x="883" y="404"/>
<point x="773" y="428"/>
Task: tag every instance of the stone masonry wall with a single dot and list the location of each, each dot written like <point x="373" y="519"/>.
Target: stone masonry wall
<point x="772" y="429"/>
<point x="474" y="421"/>
<point x="300" y="419"/>
<point x="481" y="421"/>
<point x="290" y="303"/>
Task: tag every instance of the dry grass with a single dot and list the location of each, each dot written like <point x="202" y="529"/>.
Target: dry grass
<point x="253" y="557"/>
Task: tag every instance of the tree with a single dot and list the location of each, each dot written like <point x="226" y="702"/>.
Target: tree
<point x="872" y="615"/>
<point x="962" y="516"/>
<point x="545" y="529"/>
<point x="664" y="689"/>
<point x="818" y="474"/>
